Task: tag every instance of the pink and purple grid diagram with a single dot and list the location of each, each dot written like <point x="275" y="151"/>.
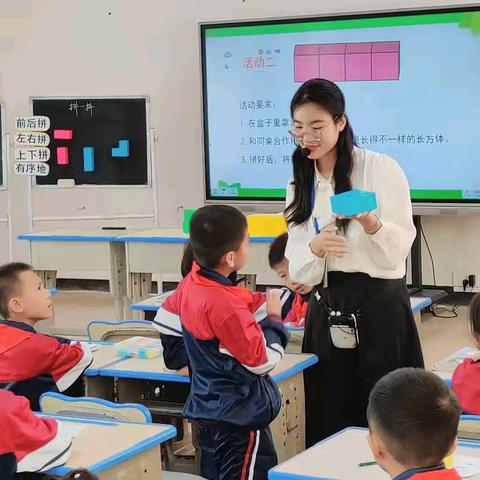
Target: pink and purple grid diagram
<point x="347" y="62"/>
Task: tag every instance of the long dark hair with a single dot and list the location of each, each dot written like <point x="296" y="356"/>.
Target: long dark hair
<point x="327" y="95"/>
<point x="187" y="260"/>
<point x="474" y="315"/>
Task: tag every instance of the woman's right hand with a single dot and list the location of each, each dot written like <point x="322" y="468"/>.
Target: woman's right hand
<point x="329" y="242"/>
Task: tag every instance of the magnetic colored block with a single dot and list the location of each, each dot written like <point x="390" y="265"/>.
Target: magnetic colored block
<point x="63" y="134"/>
<point x="123" y="149"/>
<point x="62" y="155"/>
<point x="353" y="202"/>
<point x="266" y="225"/>
<point x="88" y="159"/>
<point x="187" y="216"/>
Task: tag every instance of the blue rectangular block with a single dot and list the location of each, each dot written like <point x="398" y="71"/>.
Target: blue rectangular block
<point x="123" y="149"/>
<point x="88" y="159"/>
<point x="353" y="202"/>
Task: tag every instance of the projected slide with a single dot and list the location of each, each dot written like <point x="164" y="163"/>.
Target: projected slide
<point x="411" y="84"/>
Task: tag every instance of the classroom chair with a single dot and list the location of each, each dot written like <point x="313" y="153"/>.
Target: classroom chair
<point x="100" y="331"/>
<point x="89" y="407"/>
<point x="469" y="427"/>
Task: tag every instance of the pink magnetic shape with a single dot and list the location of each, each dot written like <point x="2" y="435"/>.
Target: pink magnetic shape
<point x="63" y="134"/>
<point x="62" y="155"/>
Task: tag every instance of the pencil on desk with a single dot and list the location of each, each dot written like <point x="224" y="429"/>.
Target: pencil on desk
<point x="367" y="464"/>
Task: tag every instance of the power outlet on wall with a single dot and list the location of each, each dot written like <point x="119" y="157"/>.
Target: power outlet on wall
<point x="465" y="283"/>
<point x="469" y="282"/>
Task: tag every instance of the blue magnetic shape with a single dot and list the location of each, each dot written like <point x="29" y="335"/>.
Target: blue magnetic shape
<point x="353" y="202"/>
<point x="123" y="149"/>
<point x="88" y="159"/>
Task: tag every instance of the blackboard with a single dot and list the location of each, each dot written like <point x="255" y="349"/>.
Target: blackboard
<point x="113" y="130"/>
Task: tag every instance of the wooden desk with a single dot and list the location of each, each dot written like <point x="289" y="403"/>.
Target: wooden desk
<point x="150" y="304"/>
<point x="337" y="458"/>
<point x="88" y="249"/>
<point x="116" y="450"/>
<point x="138" y="379"/>
<point x="103" y="354"/>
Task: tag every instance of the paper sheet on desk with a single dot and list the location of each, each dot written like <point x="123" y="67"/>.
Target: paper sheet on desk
<point x="467" y="466"/>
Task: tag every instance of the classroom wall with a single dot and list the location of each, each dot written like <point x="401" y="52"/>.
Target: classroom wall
<point x="126" y="47"/>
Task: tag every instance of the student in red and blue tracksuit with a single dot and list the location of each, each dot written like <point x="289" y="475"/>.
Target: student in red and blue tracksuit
<point x="174" y="353"/>
<point x="230" y="351"/>
<point x="29" y="443"/>
<point x="32" y="363"/>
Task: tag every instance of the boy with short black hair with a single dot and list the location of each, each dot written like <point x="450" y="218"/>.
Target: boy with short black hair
<point x="230" y="352"/>
<point x="413" y="419"/>
<point x="32" y="363"/>
<point x="294" y="310"/>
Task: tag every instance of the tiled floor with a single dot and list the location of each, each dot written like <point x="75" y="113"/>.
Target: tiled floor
<point x="75" y="309"/>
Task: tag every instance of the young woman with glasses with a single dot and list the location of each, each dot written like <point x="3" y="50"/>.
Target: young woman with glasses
<point x="360" y="322"/>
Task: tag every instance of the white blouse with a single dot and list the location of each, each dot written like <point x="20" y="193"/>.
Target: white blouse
<point x="382" y="255"/>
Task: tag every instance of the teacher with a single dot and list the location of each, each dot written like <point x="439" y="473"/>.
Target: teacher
<point x="359" y="321"/>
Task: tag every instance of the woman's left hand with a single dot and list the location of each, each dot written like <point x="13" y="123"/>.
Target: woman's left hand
<point x="367" y="220"/>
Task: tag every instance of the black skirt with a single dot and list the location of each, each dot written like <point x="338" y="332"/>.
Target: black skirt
<point x="337" y="388"/>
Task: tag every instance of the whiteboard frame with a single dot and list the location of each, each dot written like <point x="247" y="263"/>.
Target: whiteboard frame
<point x="275" y="206"/>
<point x="4" y="163"/>
<point x="148" y="186"/>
